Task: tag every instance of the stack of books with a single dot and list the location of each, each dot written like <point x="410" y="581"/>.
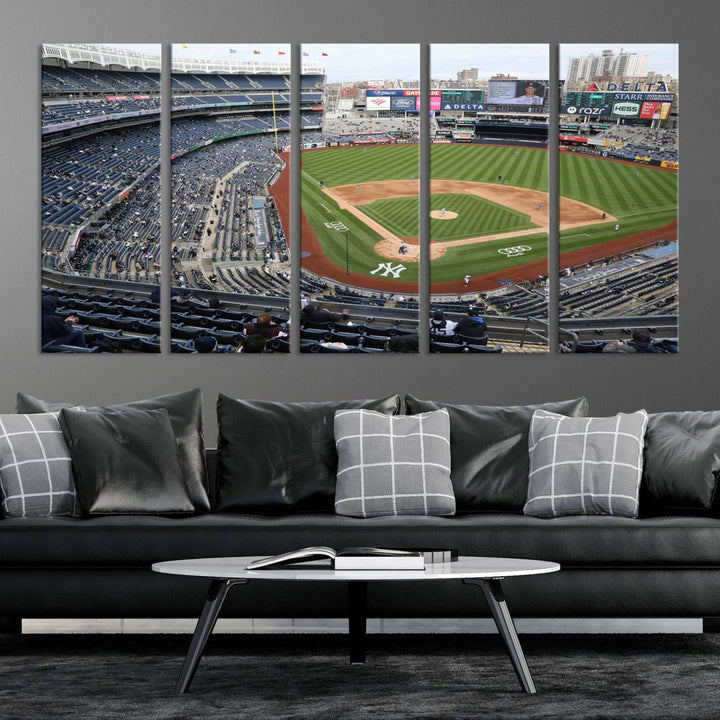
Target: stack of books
<point x="360" y="558"/>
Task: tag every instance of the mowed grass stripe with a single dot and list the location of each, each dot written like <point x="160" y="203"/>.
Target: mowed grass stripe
<point x="484" y="163"/>
<point x="343" y="166"/>
<point x="615" y="188"/>
<point x="484" y="258"/>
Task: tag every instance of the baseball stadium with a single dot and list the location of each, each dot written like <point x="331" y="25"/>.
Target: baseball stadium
<point x="360" y="229"/>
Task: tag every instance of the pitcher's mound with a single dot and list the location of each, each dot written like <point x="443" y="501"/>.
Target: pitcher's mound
<point x="440" y="215"/>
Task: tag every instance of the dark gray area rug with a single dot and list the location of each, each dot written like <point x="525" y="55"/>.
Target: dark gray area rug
<point x="406" y="676"/>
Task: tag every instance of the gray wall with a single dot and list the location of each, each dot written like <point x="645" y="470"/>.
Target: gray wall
<point x="612" y="383"/>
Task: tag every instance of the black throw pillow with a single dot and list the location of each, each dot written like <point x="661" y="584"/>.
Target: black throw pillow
<point x="490" y="462"/>
<point x="682" y="462"/>
<point x="185" y="411"/>
<point x="276" y="458"/>
<point x="125" y="462"/>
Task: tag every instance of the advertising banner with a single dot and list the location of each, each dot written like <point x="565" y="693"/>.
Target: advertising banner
<point x="378" y="103"/>
<point x="385" y="93"/>
<point x="582" y="110"/>
<point x="665" y="110"/>
<point x="626" y="109"/>
<point x="435" y="102"/>
<point x="650" y="110"/>
<point x="404" y="103"/>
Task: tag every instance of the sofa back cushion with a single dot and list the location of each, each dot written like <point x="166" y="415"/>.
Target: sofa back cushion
<point x="489" y="450"/>
<point x="277" y="457"/>
<point x="185" y="412"/>
<point x="125" y="462"/>
<point x="682" y="462"/>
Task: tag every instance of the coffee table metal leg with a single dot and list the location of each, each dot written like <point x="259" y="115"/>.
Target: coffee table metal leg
<point x="495" y="597"/>
<point x="357" y="620"/>
<point x="213" y="603"/>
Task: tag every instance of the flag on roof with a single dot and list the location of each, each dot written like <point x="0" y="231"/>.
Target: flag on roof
<point x="232" y="50"/>
<point x="185" y="46"/>
<point x="324" y="54"/>
<point x="281" y="52"/>
<point x="306" y="54"/>
<point x="256" y="52"/>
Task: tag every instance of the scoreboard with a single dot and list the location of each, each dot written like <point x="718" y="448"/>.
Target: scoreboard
<point x="462" y="100"/>
<point x="647" y="106"/>
<point x="589" y="99"/>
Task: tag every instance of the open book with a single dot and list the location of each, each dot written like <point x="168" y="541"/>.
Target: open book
<point x="350" y="558"/>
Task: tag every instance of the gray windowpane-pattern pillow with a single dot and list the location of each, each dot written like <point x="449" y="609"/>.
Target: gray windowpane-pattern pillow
<point x="393" y="465"/>
<point x="585" y="466"/>
<point x="35" y="470"/>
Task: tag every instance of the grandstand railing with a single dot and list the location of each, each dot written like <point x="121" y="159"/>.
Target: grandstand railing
<point x="662" y="326"/>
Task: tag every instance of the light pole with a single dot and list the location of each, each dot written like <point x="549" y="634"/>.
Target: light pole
<point x="347" y="253"/>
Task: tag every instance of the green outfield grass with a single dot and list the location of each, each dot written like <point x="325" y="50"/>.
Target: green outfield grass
<point x="642" y="198"/>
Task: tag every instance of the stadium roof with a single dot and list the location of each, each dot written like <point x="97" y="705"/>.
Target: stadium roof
<point x="104" y="56"/>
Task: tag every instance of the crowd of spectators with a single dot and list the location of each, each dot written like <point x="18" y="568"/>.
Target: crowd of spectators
<point x="656" y="143"/>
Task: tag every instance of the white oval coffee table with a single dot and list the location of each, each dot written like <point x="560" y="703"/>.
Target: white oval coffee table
<point x="485" y="572"/>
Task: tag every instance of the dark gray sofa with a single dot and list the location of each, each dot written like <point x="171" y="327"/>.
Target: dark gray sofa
<point x="611" y="566"/>
<point x="663" y="565"/>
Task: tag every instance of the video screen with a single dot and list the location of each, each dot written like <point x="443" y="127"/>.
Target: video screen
<point x="518" y="95"/>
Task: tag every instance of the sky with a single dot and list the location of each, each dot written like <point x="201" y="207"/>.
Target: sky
<point x="354" y="62"/>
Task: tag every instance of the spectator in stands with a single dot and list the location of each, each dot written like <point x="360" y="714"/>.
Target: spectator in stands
<point x="186" y="299"/>
<point x="318" y="314"/>
<point x="205" y="344"/>
<point x="440" y="325"/>
<point x="254" y="343"/>
<point x="57" y="330"/>
<point x="263" y="326"/>
<point x="154" y="296"/>
<point x="618" y="346"/>
<point x="403" y="344"/>
<point x="642" y="342"/>
<point x="472" y="325"/>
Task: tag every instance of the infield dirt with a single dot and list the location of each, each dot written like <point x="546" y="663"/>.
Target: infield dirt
<point x="532" y="203"/>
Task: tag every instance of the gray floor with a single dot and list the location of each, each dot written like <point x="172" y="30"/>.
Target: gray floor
<point x="122" y="677"/>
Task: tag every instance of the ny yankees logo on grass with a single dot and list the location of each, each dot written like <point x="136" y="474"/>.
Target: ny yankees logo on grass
<point x="388" y="269"/>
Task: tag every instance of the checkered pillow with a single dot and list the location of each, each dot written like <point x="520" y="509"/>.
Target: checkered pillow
<point x="585" y="465"/>
<point x="35" y="471"/>
<point x="393" y="465"/>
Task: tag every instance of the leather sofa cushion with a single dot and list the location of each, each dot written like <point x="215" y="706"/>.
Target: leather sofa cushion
<point x="125" y="462"/>
<point x="138" y="541"/>
<point x="277" y="457"/>
<point x="489" y="450"/>
<point x="682" y="462"/>
<point x="185" y="411"/>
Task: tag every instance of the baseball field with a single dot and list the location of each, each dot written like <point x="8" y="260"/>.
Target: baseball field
<point x="489" y="212"/>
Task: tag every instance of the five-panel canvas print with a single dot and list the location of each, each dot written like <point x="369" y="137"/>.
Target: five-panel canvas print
<point x="409" y="187"/>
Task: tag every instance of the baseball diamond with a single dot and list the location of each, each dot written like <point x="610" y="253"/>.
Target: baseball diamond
<point x="374" y="193"/>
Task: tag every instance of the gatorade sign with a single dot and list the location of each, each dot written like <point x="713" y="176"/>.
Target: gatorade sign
<point x="626" y="109"/>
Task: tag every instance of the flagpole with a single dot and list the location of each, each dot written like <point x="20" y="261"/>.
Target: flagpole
<point x="277" y="150"/>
